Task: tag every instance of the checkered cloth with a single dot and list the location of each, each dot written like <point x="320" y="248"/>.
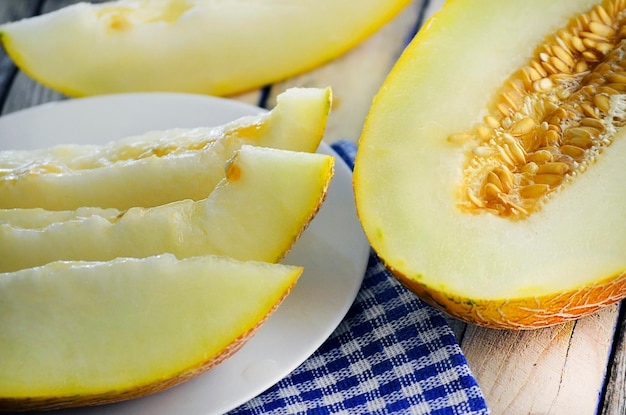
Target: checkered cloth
<point x="391" y="354"/>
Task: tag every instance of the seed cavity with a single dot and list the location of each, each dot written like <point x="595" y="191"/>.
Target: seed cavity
<point x="551" y="119"/>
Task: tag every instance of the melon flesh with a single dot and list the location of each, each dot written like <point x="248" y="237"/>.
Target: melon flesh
<point x="564" y="260"/>
<point x="160" y="166"/>
<point x="200" y="46"/>
<point x="78" y="333"/>
<point x="257" y="212"/>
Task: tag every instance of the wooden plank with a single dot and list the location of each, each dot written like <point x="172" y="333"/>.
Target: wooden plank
<point x="458" y="327"/>
<point x="12" y="11"/>
<point x="25" y="92"/>
<point x="357" y="75"/>
<point x="556" y="370"/>
<point x="615" y="396"/>
<point x="15" y="10"/>
<point x="432" y="8"/>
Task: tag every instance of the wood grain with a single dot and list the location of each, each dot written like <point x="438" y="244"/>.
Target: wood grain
<point x="615" y="391"/>
<point x="556" y="370"/>
<point x="9" y="12"/>
<point x="357" y="76"/>
<point x="24" y="91"/>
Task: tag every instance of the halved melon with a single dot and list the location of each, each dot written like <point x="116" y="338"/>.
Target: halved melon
<point x="490" y="171"/>
<point x="257" y="212"/>
<point x="200" y="46"/>
<point x="88" y="333"/>
<point x="160" y="166"/>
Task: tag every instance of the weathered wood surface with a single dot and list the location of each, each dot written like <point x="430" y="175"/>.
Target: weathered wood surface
<point x="558" y="370"/>
<point x="574" y="368"/>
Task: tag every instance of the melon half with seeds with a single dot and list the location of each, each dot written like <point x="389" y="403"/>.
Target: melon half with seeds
<point x="490" y="172"/>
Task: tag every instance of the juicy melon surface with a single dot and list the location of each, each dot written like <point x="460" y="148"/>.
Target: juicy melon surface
<point x="562" y="261"/>
<point x="77" y="333"/>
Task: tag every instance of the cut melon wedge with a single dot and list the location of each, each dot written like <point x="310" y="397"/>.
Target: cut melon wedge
<point x="158" y="167"/>
<point x="256" y="213"/>
<point x="89" y="333"/>
<point x="490" y="172"/>
<point x="199" y="46"/>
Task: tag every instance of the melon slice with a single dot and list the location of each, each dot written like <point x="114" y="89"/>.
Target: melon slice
<point x="88" y="333"/>
<point x="256" y="213"/>
<point x="160" y="166"/>
<point x="199" y="46"/>
<point x="489" y="176"/>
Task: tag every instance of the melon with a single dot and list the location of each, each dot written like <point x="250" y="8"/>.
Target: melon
<point x="257" y="212"/>
<point x="198" y="46"/>
<point x="89" y="333"/>
<point x="157" y="167"/>
<point x="489" y="175"/>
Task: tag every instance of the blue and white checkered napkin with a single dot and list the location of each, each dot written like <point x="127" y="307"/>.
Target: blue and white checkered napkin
<point x="391" y="354"/>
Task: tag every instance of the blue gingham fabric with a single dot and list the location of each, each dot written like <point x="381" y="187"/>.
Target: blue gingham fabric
<point x="392" y="354"/>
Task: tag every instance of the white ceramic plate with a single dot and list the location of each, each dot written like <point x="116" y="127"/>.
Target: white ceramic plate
<point x="333" y="250"/>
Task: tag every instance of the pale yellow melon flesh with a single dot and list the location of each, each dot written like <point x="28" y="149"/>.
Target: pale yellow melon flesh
<point x="33" y="218"/>
<point x="200" y="46"/>
<point x="257" y="212"/>
<point x="160" y="166"/>
<point x="87" y="333"/>
<point x="565" y="260"/>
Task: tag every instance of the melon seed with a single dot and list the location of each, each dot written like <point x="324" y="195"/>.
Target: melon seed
<point x="551" y="117"/>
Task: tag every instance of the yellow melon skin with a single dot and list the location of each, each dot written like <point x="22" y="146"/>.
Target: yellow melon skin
<point x="524" y="313"/>
<point x="197" y="46"/>
<point x="564" y="261"/>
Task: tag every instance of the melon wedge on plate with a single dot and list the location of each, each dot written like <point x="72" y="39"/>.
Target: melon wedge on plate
<point x="257" y="212"/>
<point x="87" y="333"/>
<point x="490" y="173"/>
<point x="199" y="46"/>
<point x="160" y="166"/>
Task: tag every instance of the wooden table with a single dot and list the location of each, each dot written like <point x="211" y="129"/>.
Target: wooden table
<point x="574" y="368"/>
